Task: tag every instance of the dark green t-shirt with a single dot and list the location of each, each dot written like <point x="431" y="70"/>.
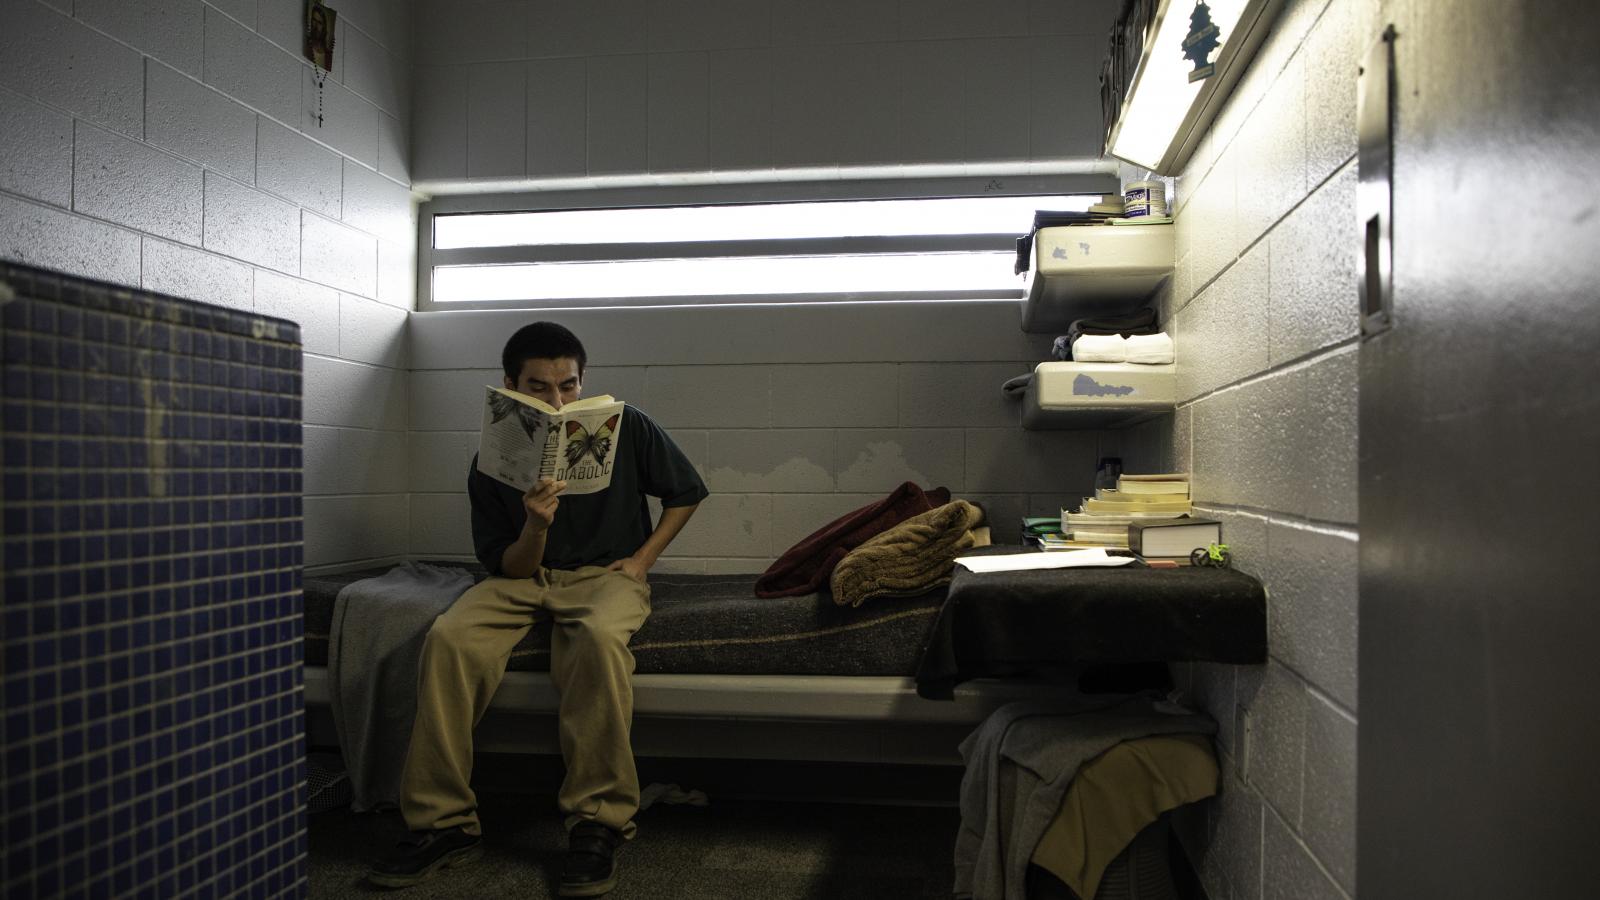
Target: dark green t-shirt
<point x="591" y="529"/>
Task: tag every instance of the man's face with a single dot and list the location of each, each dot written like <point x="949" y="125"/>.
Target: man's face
<point x="555" y="381"/>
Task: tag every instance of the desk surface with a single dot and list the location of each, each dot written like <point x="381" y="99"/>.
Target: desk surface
<point x="1006" y="622"/>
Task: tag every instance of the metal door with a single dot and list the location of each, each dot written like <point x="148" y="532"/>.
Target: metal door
<point x="1479" y="741"/>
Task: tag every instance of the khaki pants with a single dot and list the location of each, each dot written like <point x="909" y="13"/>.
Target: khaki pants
<point x="464" y="658"/>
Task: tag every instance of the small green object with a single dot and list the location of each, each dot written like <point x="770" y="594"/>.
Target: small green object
<point x="1216" y="555"/>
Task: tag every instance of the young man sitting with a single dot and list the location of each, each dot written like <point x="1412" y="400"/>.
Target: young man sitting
<point x="580" y="560"/>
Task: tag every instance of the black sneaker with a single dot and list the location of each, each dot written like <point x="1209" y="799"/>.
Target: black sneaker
<point x="590" y="868"/>
<point x="421" y="854"/>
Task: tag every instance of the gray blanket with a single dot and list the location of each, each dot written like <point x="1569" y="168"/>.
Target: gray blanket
<point x="373" y="649"/>
<point x="1019" y="764"/>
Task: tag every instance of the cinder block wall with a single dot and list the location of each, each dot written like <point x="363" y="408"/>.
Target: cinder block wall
<point x="176" y="146"/>
<point x="554" y="89"/>
<point x="793" y="415"/>
<point x="1264" y="309"/>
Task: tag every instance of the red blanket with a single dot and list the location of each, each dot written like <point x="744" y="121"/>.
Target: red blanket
<point x="806" y="566"/>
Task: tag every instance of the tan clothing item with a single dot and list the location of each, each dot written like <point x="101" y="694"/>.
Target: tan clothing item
<point x="910" y="558"/>
<point x="1115" y="796"/>
<point x="596" y="611"/>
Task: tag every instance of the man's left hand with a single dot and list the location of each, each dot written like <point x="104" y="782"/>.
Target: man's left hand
<point x="631" y="567"/>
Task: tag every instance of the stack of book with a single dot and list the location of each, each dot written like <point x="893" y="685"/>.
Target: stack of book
<point x="1046" y="534"/>
<point x="1037" y="530"/>
<point x="1103" y="519"/>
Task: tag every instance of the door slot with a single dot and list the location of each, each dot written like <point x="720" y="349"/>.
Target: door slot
<point x="1375" y="191"/>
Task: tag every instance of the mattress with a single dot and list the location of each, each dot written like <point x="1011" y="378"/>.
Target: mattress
<point x="715" y="625"/>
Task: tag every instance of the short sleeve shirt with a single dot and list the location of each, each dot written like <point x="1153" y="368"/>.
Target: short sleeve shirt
<point x="591" y="529"/>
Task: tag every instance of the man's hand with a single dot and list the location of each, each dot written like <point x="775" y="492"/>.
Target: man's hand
<point x="526" y="553"/>
<point x="541" y="501"/>
<point x="638" y="565"/>
<point x="632" y="567"/>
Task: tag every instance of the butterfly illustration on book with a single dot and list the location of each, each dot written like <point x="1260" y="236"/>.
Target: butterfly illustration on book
<point x="582" y="442"/>
<point x="501" y="406"/>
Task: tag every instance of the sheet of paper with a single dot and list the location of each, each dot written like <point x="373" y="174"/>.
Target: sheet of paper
<point x="1057" y="559"/>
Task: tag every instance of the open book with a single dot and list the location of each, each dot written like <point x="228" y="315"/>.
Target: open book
<point x="525" y="439"/>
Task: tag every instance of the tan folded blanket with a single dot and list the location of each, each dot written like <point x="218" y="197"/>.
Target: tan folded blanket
<point x="806" y="567"/>
<point x="912" y="557"/>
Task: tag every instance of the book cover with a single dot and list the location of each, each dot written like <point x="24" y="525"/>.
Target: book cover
<point x="1174" y="537"/>
<point x="524" y="439"/>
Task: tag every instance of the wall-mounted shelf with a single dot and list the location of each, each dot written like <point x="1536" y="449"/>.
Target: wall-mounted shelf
<point x="1097" y="395"/>
<point x="1087" y="270"/>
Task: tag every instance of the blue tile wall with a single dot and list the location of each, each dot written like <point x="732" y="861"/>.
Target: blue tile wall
<point x="151" y="597"/>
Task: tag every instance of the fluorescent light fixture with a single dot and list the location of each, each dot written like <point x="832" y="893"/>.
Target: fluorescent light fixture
<point x="723" y="276"/>
<point x="764" y="221"/>
<point x="1165" y="114"/>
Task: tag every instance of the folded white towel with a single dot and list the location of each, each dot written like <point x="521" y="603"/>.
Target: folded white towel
<point x="1100" y="348"/>
<point x="1152" y="349"/>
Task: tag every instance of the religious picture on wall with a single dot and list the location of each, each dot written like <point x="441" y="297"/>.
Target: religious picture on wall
<point x="319" y="34"/>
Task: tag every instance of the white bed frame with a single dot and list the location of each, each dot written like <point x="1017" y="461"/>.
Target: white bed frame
<point x="820" y="718"/>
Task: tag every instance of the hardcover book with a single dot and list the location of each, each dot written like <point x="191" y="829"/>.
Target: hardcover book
<point x="1173" y="537"/>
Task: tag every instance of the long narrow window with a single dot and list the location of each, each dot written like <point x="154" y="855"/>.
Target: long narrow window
<point x="818" y="251"/>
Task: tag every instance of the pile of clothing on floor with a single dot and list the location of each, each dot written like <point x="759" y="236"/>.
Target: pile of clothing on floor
<point x="1067" y="785"/>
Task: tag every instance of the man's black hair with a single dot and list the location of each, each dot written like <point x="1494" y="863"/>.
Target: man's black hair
<point x="541" y="340"/>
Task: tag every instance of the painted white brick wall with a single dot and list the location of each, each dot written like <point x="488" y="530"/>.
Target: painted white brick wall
<point x="1263" y="304"/>
<point x="47" y="236"/>
<point x="356" y="527"/>
<point x="198" y="123"/>
<point x="35" y="150"/>
<point x="338" y="255"/>
<point x="186" y="272"/>
<point x="174" y="145"/>
<point x="870" y="458"/>
<point x="785" y="446"/>
<point x="62" y="63"/>
<point x="252" y="226"/>
<point x="770" y="461"/>
<point x="168" y="30"/>
<point x="637" y="88"/>
<point x="118" y="179"/>
<point x="247" y="66"/>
